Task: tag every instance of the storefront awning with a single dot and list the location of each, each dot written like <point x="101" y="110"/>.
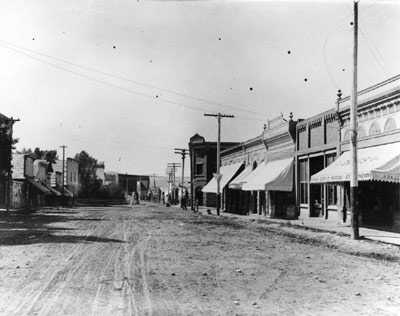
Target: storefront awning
<point x="53" y="191"/>
<point x="380" y="163"/>
<point x="68" y="193"/>
<point x="272" y="176"/>
<point x="38" y="186"/>
<point x="239" y="180"/>
<point x="227" y="173"/>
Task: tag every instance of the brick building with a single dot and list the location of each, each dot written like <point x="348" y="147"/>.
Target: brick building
<point x="203" y="164"/>
<point x="378" y="142"/>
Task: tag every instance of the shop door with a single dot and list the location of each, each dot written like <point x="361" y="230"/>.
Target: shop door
<point x="280" y="203"/>
<point x="316" y="190"/>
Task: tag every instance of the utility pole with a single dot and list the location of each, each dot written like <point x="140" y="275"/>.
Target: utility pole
<point x="183" y="153"/>
<point x="154" y="184"/>
<point x="62" y="178"/>
<point x="218" y="176"/>
<point x="353" y="136"/>
<point x="173" y="166"/>
<point x="9" y="172"/>
<point x="340" y="191"/>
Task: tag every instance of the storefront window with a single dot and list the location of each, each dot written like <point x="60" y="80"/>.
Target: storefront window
<point x="303" y="181"/>
<point x="331" y="189"/>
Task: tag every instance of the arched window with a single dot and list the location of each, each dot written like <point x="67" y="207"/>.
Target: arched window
<point x="390" y="125"/>
<point x="361" y="132"/>
<point x="374" y="129"/>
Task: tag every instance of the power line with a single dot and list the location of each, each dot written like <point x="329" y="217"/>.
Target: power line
<point x="100" y="141"/>
<point x="4" y="44"/>
<point x="368" y="40"/>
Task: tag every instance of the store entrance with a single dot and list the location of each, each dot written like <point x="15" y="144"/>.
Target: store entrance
<point x="316" y="190"/>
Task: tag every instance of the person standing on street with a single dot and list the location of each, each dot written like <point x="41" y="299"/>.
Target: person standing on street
<point x="184" y="205"/>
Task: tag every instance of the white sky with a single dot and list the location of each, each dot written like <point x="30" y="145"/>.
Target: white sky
<point x="128" y="81"/>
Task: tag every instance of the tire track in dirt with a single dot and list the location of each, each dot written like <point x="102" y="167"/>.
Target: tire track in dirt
<point x="111" y="269"/>
<point x="142" y="248"/>
<point x="34" y="292"/>
<point x="103" y="272"/>
<point x="50" y="296"/>
<point x="86" y="266"/>
<point x="125" y="266"/>
<point x="94" y="267"/>
<point x="128" y="294"/>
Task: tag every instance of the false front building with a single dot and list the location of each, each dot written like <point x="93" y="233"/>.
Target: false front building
<point x="378" y="155"/>
<point x="257" y="176"/>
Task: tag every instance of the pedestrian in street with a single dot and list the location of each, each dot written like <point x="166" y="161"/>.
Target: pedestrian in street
<point x="133" y="198"/>
<point x="184" y="204"/>
<point x="196" y="205"/>
<point x="136" y="198"/>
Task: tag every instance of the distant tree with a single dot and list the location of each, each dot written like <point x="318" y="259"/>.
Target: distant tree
<point x="90" y="184"/>
<point x="7" y="145"/>
<point x="48" y="155"/>
<point x="112" y="191"/>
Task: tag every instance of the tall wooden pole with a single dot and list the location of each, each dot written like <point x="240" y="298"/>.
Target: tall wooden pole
<point x="183" y="153"/>
<point x="353" y="136"/>
<point x="218" y="176"/>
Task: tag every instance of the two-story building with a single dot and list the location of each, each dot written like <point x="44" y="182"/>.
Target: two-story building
<point x="71" y="179"/>
<point x="317" y="141"/>
<point x="378" y="155"/>
<point x="203" y="164"/>
<point x="265" y="183"/>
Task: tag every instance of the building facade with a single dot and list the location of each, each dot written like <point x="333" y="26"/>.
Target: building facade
<point x="378" y="155"/>
<point x="317" y="145"/>
<point x="265" y="181"/>
<point x="129" y="183"/>
<point x="203" y="164"/>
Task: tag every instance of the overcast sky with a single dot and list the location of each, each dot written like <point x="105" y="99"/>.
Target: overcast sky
<point x="128" y="81"/>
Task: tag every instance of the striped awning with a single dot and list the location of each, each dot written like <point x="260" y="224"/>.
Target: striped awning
<point x="379" y="163"/>
<point x="237" y="182"/>
<point x="226" y="173"/>
<point x="38" y="186"/>
<point x="273" y="176"/>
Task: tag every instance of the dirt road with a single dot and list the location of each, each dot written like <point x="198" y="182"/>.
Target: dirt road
<point x="152" y="260"/>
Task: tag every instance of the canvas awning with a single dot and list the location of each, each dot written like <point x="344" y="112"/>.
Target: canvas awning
<point x="227" y="172"/>
<point x="237" y="182"/>
<point x="272" y="176"/>
<point x="53" y="191"/>
<point x="68" y="193"/>
<point x="380" y="163"/>
<point x="38" y="186"/>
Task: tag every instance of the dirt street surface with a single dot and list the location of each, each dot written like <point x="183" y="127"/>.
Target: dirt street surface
<point x="153" y="260"/>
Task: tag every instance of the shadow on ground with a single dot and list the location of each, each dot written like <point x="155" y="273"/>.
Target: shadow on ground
<point x="22" y="228"/>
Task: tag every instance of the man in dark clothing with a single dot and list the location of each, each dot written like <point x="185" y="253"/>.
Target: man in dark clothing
<point x="184" y="207"/>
